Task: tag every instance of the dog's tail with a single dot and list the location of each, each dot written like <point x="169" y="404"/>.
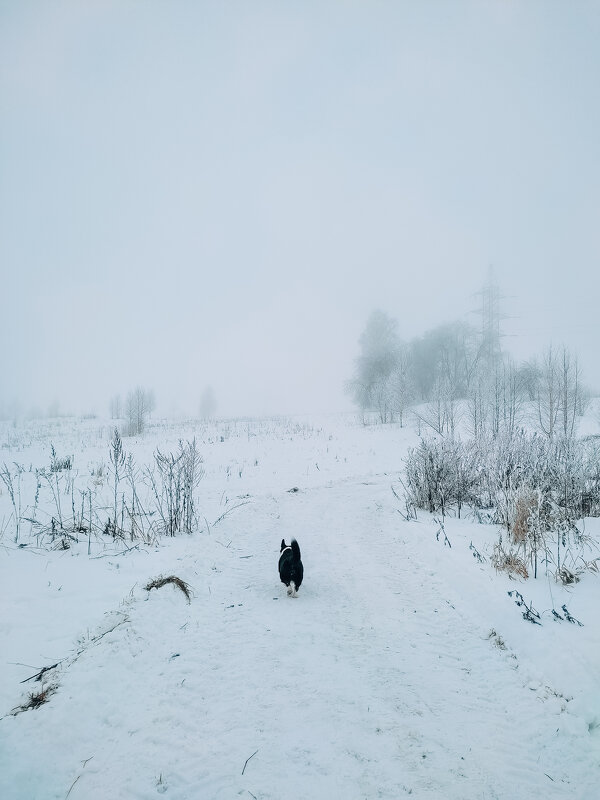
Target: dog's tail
<point x="295" y="550"/>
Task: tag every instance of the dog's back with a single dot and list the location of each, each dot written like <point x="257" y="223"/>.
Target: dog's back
<point x="291" y="570"/>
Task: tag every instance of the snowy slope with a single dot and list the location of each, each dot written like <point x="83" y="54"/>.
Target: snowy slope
<point x="402" y="669"/>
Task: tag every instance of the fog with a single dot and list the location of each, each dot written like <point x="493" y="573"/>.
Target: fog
<point x="218" y="194"/>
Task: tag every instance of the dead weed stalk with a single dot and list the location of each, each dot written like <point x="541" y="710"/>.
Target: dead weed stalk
<point x="159" y="582"/>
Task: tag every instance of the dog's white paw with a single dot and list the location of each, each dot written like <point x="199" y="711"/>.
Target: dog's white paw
<point x="290" y="591"/>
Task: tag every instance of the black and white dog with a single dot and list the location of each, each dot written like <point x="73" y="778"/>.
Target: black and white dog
<point x="291" y="570"/>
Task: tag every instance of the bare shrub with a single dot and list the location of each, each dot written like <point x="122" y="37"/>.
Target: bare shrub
<point x="173" y="482"/>
<point x="117" y="460"/>
<point x="59" y="464"/>
<point x="135" y="510"/>
<point x="13" y="486"/>
<point x="439" y="475"/>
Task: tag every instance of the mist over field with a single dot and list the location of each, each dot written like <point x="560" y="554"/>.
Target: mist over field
<point x="312" y="271"/>
<point x="201" y="195"/>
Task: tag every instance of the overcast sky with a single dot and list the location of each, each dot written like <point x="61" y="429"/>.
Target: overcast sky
<point x="219" y="193"/>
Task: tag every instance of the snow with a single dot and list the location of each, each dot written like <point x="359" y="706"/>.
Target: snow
<point x="403" y="667"/>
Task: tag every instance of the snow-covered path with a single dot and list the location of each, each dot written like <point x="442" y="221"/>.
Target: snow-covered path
<point x="381" y="680"/>
<point x="397" y="691"/>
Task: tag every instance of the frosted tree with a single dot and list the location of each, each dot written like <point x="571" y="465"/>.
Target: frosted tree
<point x="529" y="378"/>
<point x="560" y="395"/>
<point x="495" y="399"/>
<point x="401" y="385"/>
<point x="379" y="357"/>
<point x="448" y="354"/>
<point x="548" y="394"/>
<point x="116" y="407"/>
<point x="571" y="397"/>
<point x="491" y="316"/>
<point x="139" y="405"/>
<point x="511" y="398"/>
<point x="441" y="413"/>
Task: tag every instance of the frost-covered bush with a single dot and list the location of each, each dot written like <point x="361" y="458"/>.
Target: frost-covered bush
<point x="442" y="474"/>
<point x="536" y="488"/>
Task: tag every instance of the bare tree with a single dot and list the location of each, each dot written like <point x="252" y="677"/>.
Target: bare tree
<point x="116" y="407"/>
<point x="449" y="353"/>
<point x="512" y="396"/>
<point x="400" y="385"/>
<point x="495" y="399"/>
<point x="560" y="394"/>
<point x="570" y="390"/>
<point x="529" y="377"/>
<point x="208" y="403"/>
<point x="379" y="349"/>
<point x="548" y="394"/>
<point x="140" y="404"/>
<point x="441" y="414"/>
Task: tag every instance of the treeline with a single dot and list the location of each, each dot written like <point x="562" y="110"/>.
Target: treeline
<point x="455" y="372"/>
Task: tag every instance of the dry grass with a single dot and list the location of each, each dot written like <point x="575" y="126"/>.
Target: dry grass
<point x="525" y="505"/>
<point x="592" y="566"/>
<point x="509" y="562"/>
<point x="159" y="582"/>
<point x="36" y="699"/>
<point x="566" y="576"/>
<point x="497" y="640"/>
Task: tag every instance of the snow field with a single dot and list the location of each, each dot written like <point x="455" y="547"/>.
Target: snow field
<point x="402" y="669"/>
